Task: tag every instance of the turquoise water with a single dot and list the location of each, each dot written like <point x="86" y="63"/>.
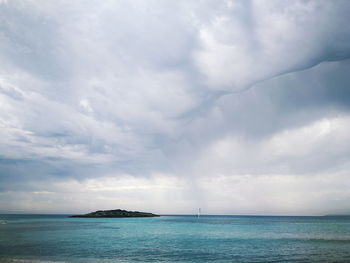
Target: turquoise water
<point x="56" y="238"/>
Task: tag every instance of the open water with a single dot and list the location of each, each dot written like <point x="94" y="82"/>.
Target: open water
<point x="57" y="238"/>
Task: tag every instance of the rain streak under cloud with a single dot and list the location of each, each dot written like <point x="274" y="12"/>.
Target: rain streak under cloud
<point x="237" y="107"/>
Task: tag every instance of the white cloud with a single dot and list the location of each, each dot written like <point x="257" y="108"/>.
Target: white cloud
<point x="166" y="194"/>
<point x="316" y="148"/>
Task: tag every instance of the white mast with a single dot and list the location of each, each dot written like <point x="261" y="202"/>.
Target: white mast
<point x="199" y="212"/>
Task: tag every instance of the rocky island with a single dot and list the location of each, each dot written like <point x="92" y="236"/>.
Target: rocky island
<point x="116" y="213"/>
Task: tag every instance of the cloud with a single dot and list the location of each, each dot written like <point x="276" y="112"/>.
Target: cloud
<point x="168" y="194"/>
<point x="89" y="93"/>
<point x="255" y="40"/>
<point x="319" y="147"/>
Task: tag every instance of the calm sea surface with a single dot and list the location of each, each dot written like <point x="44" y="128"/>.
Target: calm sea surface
<point x="56" y="238"/>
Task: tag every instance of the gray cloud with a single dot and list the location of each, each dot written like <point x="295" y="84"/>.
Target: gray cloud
<point x="92" y="90"/>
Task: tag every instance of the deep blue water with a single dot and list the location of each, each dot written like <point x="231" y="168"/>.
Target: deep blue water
<point x="57" y="238"/>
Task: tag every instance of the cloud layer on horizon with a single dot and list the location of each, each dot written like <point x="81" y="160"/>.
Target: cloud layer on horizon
<point x="136" y="103"/>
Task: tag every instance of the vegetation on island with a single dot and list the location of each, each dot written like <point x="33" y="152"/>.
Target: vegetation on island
<point x="116" y="213"/>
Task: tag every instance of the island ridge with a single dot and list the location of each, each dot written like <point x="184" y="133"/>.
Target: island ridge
<point x="116" y="213"/>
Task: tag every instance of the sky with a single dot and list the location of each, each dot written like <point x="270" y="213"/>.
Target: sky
<point x="236" y="107"/>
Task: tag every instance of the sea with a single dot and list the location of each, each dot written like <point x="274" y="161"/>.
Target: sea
<point x="169" y="238"/>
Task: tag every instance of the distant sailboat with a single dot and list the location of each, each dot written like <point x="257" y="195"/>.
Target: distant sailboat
<point x="199" y="212"/>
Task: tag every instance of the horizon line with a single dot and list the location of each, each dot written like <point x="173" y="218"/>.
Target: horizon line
<point x="240" y="215"/>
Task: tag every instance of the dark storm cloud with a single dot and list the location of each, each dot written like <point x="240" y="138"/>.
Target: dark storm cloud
<point x="288" y="101"/>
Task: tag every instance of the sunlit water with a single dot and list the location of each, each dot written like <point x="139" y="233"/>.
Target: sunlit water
<point x="57" y="238"/>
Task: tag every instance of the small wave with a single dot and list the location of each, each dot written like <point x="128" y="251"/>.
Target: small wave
<point x="14" y="260"/>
